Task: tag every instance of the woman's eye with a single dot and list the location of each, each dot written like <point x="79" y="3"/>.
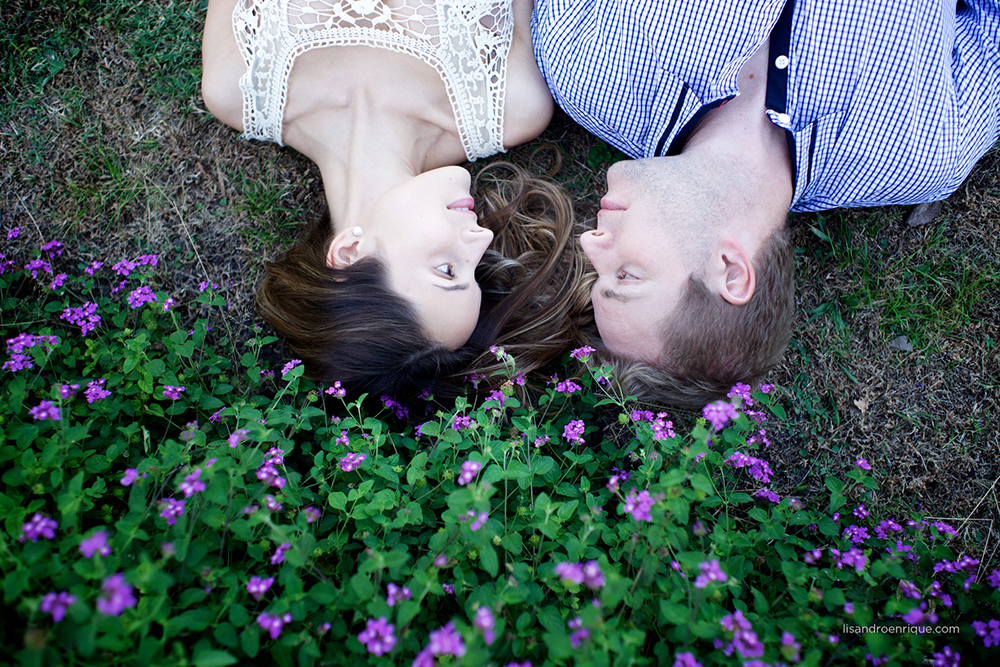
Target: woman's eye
<point x="446" y="270"/>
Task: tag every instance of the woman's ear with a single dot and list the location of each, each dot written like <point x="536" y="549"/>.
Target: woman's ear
<point x="735" y="279"/>
<point x="344" y="250"/>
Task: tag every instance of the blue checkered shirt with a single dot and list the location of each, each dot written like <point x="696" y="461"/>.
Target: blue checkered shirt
<point x="882" y="102"/>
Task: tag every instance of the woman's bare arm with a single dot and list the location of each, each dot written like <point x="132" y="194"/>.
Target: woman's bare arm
<point x="222" y="65"/>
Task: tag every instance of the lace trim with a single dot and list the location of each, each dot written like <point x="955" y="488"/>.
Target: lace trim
<point x="466" y="42"/>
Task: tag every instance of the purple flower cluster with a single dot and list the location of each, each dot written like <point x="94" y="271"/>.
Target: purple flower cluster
<point x="95" y="390"/>
<point x="662" y="428"/>
<point x="312" y="514"/>
<point x="460" y="422"/>
<point x="351" y="460"/>
<point x="192" y="484"/>
<point x="573" y="431"/>
<point x="744" y="639"/>
<point x="886" y="528"/>
<point x="37" y="526"/>
<point x="686" y="660"/>
<point x="238" y="436"/>
<point x="567" y="387"/>
<point x="57" y="604"/>
<point x="140" y="296"/>
<point x="719" y="414"/>
<point x="989" y="631"/>
<point x="85" y="317"/>
<point x="45" y="410"/>
<point x="97" y="543"/>
<point x="18" y="346"/>
<point x="130" y="476"/>
<point x="853" y="558"/>
<point x="742" y="392"/>
<point x="946" y="658"/>
<point x="287" y="368"/>
<point x="272" y="503"/>
<point x="962" y="564"/>
<point x="36" y="265"/>
<point x="273" y="623"/>
<point x="378" y="636"/>
<point x="444" y="641"/>
<point x="337" y="391"/>
<point x="117" y="596"/>
<point x="710" y="571"/>
<point x="172" y="392"/>
<point x="257" y="586"/>
<point x="768" y="494"/>
<point x="580" y="633"/>
<point x="396" y="594"/>
<point x="862" y="463"/>
<point x="278" y="556"/>
<point x="758" y="468"/>
<point x="486" y="622"/>
<point x="587" y="574"/>
<point x="469" y="471"/>
<point x="638" y="504"/>
<point x="582" y="353"/>
<point x="856" y="534"/>
<point x="268" y="474"/>
<point x="398" y="408"/>
<point x="171" y="509"/>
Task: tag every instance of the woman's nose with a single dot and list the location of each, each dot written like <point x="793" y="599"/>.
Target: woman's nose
<point x="479" y="237"/>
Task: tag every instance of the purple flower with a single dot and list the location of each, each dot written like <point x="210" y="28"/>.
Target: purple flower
<point x="662" y="429"/>
<point x="637" y="505"/>
<point x="573" y="431"/>
<point x="593" y="578"/>
<point x="758" y="468"/>
<point x="769" y="495"/>
<point x="446" y="641"/>
<point x="312" y="514"/>
<point x="742" y="392"/>
<point x="856" y="534"/>
<point x="168" y="304"/>
<point x="287" y="368"/>
<point x="141" y="296"/>
<point x="710" y="571"/>
<point x="735" y="621"/>
<point x="93" y="267"/>
<point x="351" y="460"/>
<point x="541" y="440"/>
<point x="13" y="233"/>
<point x="130" y="476"/>
<point x="37" y="265"/>
<point x="257" y="586"/>
<point x="484" y="621"/>
<point x="460" y="422"/>
<point x="268" y="474"/>
<point x="863" y="464"/>
<point x="38" y="526"/>
<point x="172" y="392"/>
<point x="719" y="414"/>
<point x="97" y="543"/>
<point x="568" y="387"/>
<point x="990" y="632"/>
<point x="396" y="594"/>
<point x="747" y="644"/>
<point x="272" y="503"/>
<point x="469" y="471"/>
<point x="572" y="572"/>
<point x="192" y="484"/>
<point x="378" y="636"/>
<point x="401" y="411"/>
<point x="238" y="436"/>
<point x="58" y="282"/>
<point x="337" y="391"/>
<point x="853" y="558"/>
<point x="171" y="509"/>
<point x="479" y="522"/>
<point x="67" y="391"/>
<point x="117" y="596"/>
<point x="582" y="353"/>
<point x="790" y="647"/>
<point x="45" y="410"/>
<point x="53" y="249"/>
<point x="946" y="658"/>
<point x="95" y="390"/>
<point x="686" y="660"/>
<point x="279" y="553"/>
<point x="57" y="603"/>
<point x="860" y="511"/>
<point x="273" y="623"/>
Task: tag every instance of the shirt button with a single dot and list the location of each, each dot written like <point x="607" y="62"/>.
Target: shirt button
<point x="781" y="62"/>
<point x="784" y="119"/>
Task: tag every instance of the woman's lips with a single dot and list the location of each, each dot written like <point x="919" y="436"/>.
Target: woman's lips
<point x="468" y="204"/>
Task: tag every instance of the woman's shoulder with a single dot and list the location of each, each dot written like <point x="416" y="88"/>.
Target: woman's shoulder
<point x="222" y="64"/>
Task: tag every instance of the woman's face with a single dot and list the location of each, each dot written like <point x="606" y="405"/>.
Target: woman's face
<point x="428" y="236"/>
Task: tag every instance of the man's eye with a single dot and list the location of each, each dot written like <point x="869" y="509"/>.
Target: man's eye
<point x="625" y="275"/>
<point x="446" y="270"/>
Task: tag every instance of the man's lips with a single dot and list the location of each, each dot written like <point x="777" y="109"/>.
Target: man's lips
<point x="608" y="205"/>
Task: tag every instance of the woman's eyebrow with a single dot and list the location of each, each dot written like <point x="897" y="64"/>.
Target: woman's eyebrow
<point x="455" y="288"/>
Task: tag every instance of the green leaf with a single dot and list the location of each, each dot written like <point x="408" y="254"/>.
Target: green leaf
<point x="250" y="641"/>
<point x="488" y="559"/>
<point x="214" y="659"/>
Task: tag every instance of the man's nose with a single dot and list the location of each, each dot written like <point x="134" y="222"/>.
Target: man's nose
<point x="596" y="243"/>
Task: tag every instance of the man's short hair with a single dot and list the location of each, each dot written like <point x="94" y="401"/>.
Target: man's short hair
<point x="709" y="345"/>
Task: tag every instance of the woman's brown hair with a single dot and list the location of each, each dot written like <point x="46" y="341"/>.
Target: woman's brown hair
<point x="349" y="325"/>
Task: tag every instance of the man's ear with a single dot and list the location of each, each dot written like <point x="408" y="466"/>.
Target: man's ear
<point x="734" y="275"/>
<point x="343" y="251"/>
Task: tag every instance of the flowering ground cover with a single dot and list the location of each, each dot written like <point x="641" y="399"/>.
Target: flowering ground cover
<point x="130" y="362"/>
<point x="164" y="504"/>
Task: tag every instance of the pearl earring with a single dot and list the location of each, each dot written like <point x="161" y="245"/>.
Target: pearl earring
<point x="357" y="231"/>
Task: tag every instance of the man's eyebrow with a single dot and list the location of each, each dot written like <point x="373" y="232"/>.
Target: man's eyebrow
<point x="455" y="288"/>
<point x="609" y="293"/>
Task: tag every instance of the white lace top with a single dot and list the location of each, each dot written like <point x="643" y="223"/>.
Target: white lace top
<point x="466" y="41"/>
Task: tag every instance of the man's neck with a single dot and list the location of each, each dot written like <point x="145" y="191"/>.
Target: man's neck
<point x="747" y="151"/>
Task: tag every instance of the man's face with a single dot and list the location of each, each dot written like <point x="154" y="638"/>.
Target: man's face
<point x="642" y="251"/>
